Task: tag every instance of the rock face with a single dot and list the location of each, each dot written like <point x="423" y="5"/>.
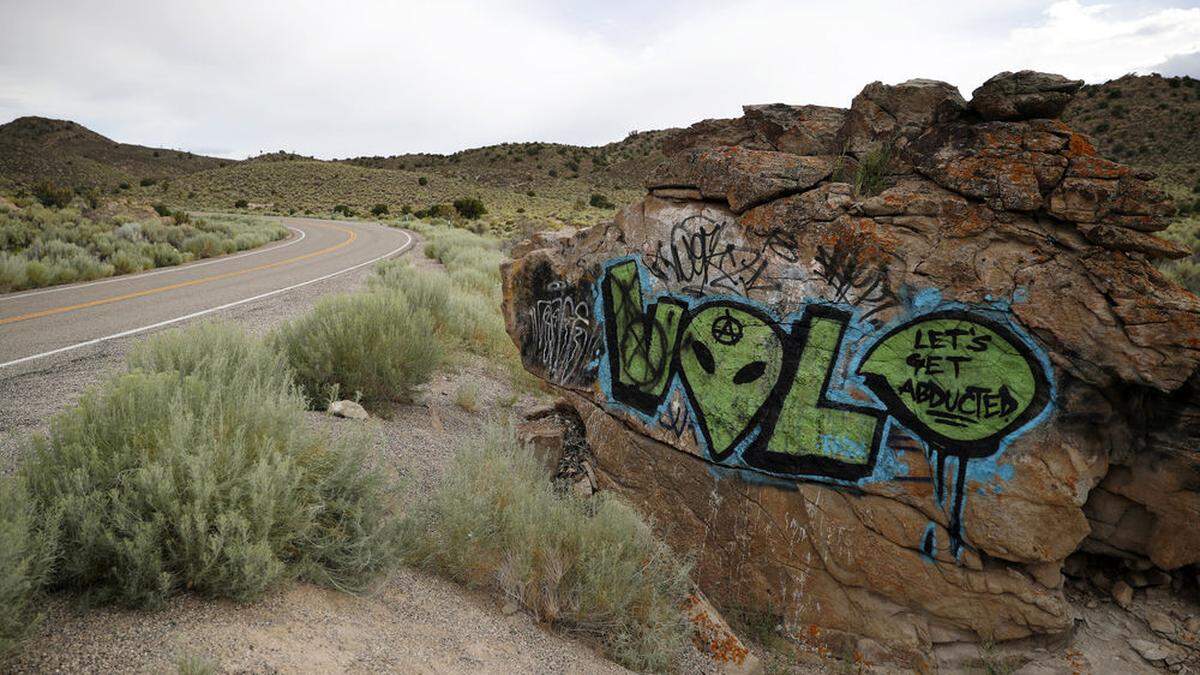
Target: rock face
<point x="882" y="370"/>
<point x="1024" y="95"/>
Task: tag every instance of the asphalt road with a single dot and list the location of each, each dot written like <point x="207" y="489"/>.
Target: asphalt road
<point x="41" y="323"/>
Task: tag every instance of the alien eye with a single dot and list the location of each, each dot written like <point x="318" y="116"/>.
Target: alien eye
<point x="704" y="357"/>
<point x="750" y="372"/>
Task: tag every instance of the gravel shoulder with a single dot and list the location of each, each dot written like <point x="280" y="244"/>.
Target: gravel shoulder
<point x="412" y="622"/>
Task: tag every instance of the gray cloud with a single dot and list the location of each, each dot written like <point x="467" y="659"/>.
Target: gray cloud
<point x="1180" y="64"/>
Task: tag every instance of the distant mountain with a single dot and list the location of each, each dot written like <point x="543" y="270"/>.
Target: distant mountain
<point x="37" y="148"/>
<point x="622" y="164"/>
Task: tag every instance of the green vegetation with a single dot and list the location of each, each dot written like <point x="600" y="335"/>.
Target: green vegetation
<point x="28" y="548"/>
<point x="42" y="247"/>
<point x="53" y="195"/>
<point x="600" y="201"/>
<point x="375" y="346"/>
<point x="592" y="567"/>
<point x="1186" y="272"/>
<point x="195" y="469"/>
<point x="470" y="208"/>
<point x="466" y="395"/>
<point x="379" y="210"/>
<point x="194" y="664"/>
<point x="463" y="300"/>
<point x="871" y="175"/>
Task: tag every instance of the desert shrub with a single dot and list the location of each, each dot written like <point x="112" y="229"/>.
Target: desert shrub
<point x="342" y="209"/>
<point x="90" y="195"/>
<point x="147" y="182"/>
<point x="12" y="272"/>
<point x="127" y="261"/>
<point x="379" y="210"/>
<point x="27" y="553"/>
<point x="165" y="255"/>
<point x="462" y="319"/>
<point x="470" y="207"/>
<point x="592" y="567"/>
<point x="195" y="664"/>
<point x="52" y="195"/>
<point x="435" y="211"/>
<point x="1186" y="272"/>
<point x="37" y="274"/>
<point x="600" y="201"/>
<point x="203" y="245"/>
<point x="466" y="395"/>
<point x="422" y="181"/>
<point x="162" y="209"/>
<point x="241" y="204"/>
<point x="195" y="469"/>
<point x="129" y="232"/>
<point x="374" y="345"/>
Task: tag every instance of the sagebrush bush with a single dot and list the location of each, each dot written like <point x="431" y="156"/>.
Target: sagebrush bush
<point x="28" y="549"/>
<point x="1186" y="272"/>
<point x="196" y="470"/>
<point x="462" y="318"/>
<point x="590" y="566"/>
<point x="373" y="345"/>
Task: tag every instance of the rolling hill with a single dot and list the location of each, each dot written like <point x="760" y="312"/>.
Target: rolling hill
<point x="1151" y="122"/>
<point x="34" y="149"/>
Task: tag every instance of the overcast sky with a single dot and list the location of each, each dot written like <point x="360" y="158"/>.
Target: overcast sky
<point x="338" y="79"/>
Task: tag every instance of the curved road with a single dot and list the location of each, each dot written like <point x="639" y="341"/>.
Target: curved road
<point x="40" y="323"/>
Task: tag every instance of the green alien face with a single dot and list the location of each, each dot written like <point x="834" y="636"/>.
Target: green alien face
<point x="730" y="360"/>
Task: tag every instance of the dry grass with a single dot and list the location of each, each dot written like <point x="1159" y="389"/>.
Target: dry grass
<point x="592" y="567"/>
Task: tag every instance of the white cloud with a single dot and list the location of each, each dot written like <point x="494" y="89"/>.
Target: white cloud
<point x="1096" y="43"/>
<point x="376" y="77"/>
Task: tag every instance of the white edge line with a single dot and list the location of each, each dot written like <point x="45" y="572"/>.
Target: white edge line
<point x="134" y="331"/>
<point x="176" y="268"/>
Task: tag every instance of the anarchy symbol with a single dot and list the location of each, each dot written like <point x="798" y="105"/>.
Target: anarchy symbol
<point x="726" y="329"/>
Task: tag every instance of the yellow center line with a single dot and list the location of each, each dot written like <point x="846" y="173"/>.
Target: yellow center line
<point x="184" y="284"/>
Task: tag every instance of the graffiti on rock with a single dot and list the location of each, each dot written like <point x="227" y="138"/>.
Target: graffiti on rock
<point x="855" y="270"/>
<point x="770" y="393"/>
<point x="702" y="258"/>
<point x="561" y="336"/>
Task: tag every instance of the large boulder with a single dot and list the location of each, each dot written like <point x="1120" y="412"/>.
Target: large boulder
<point x="1024" y="95"/>
<point x="885" y="415"/>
